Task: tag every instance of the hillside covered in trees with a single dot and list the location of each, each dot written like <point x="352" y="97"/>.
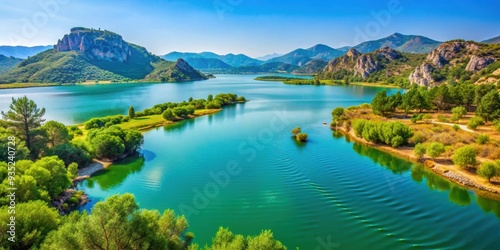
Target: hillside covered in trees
<point x="97" y="55"/>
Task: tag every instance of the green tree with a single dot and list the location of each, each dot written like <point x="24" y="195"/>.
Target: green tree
<point x="419" y="150"/>
<point x="381" y="104"/>
<point x="56" y="181"/>
<point x="57" y="133"/>
<point x="482" y="139"/>
<point x="338" y="116"/>
<point x="435" y="149"/>
<point x="24" y="117"/>
<point x="72" y="152"/>
<point x="22" y="152"/>
<point x="108" y="146"/>
<point x="296" y="131"/>
<point x="489" y="106"/>
<point x="118" y="223"/>
<point x="487" y="170"/>
<point x="180" y="112"/>
<point x="210" y="98"/>
<point x="34" y="220"/>
<point x="73" y="170"/>
<point x="131" y="112"/>
<point x="168" y="115"/>
<point x="302" y="137"/>
<point x="458" y="112"/>
<point x="465" y="157"/>
<point x="225" y="239"/>
<point x="475" y="122"/>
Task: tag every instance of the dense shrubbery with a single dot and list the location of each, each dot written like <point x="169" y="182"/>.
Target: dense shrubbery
<point x="104" y="121"/>
<point x="112" y="142"/>
<point x="458" y="98"/>
<point x="394" y="134"/>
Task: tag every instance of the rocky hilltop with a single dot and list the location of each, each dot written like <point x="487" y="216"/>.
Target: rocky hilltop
<point x="385" y="64"/>
<point x="455" y="61"/>
<point x="95" y="55"/>
<point x="95" y="44"/>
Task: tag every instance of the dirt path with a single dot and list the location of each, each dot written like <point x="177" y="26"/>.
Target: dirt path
<point x="462" y="127"/>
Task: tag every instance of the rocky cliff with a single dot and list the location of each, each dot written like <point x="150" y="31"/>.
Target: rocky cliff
<point x="384" y="64"/>
<point x="95" y="44"/>
<point x="451" y="57"/>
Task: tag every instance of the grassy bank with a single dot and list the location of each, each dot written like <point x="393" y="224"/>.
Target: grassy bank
<point x="317" y="82"/>
<point x="429" y="131"/>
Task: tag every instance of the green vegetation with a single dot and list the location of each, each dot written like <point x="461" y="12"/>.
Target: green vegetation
<point x="54" y="66"/>
<point x="465" y="157"/>
<point x="435" y="149"/>
<point x="394" y="71"/>
<point x="298" y="135"/>
<point x="482" y="139"/>
<point x="131" y="112"/>
<point x="475" y="122"/>
<point x="116" y="223"/>
<point x="300" y="81"/>
<point x="458" y="112"/>
<point x="419" y="150"/>
<point x="24" y="117"/>
<point x="7" y="63"/>
<point x="489" y="170"/>
<point x="394" y="134"/>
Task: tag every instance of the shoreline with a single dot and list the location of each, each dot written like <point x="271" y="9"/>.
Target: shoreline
<point x="19" y="85"/>
<point x="448" y="172"/>
<point x="98" y="165"/>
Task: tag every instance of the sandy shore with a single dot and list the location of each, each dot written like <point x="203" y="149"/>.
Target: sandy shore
<point x="448" y="171"/>
<point x="91" y="169"/>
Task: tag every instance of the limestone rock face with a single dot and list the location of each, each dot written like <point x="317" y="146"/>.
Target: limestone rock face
<point x="365" y="65"/>
<point x="346" y="61"/>
<point x="477" y="63"/>
<point x="95" y="44"/>
<point x="444" y="53"/>
<point x="362" y="64"/>
<point x="453" y="54"/>
<point x="422" y="75"/>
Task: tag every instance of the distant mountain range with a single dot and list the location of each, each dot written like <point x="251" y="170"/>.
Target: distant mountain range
<point x="93" y="55"/>
<point x="305" y="61"/>
<point x="97" y="58"/>
<point x="233" y="60"/>
<point x="492" y="40"/>
<point x="268" y="57"/>
<point x="23" y="52"/>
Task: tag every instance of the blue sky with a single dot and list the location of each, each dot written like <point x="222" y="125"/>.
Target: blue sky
<point x="255" y="27"/>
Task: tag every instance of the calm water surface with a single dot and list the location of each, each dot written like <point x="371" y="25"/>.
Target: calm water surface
<point x="329" y="190"/>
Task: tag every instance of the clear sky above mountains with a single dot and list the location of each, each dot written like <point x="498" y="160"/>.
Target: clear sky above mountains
<point x="253" y="27"/>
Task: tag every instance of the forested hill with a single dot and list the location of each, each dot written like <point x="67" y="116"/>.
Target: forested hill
<point x="97" y="55"/>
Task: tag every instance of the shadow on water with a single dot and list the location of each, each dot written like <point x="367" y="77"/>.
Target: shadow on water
<point x="419" y="173"/>
<point x="115" y="174"/>
<point x="180" y="125"/>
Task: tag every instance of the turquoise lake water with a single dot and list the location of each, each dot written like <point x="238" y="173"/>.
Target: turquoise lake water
<point x="241" y="169"/>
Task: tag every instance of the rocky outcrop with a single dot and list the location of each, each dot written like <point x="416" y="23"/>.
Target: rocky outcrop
<point x="477" y="63"/>
<point x="365" y="65"/>
<point x="422" y="75"/>
<point x="346" y="61"/>
<point x="454" y="54"/>
<point x="95" y="44"/>
<point x="362" y="65"/>
<point x="444" y="53"/>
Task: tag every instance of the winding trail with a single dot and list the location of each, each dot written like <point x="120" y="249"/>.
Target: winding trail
<point x="463" y="127"/>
